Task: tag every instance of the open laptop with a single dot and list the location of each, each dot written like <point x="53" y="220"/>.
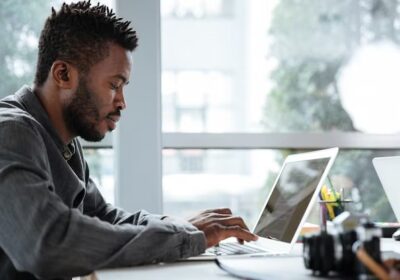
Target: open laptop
<point x="388" y="170"/>
<point x="286" y="207"/>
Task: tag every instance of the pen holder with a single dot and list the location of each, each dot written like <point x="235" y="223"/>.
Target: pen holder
<point x="331" y="204"/>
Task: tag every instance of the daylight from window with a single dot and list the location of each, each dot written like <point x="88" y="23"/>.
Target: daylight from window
<point x="275" y="66"/>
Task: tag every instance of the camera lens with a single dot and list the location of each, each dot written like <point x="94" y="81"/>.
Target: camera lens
<point x="318" y="253"/>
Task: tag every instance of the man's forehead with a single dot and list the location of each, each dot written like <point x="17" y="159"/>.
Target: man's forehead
<point x="117" y="63"/>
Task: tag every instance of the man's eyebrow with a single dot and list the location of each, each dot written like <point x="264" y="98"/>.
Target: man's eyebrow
<point x="121" y="77"/>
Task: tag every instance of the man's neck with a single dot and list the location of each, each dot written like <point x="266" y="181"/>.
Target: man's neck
<point x="51" y="101"/>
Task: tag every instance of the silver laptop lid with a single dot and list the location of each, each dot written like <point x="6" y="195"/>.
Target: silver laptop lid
<point x="388" y="170"/>
<point x="293" y="194"/>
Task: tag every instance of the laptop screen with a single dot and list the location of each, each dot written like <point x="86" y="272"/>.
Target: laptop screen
<point x="290" y="198"/>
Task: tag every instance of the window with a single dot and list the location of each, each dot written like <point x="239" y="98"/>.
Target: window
<point x="21" y="23"/>
<point x="197" y="9"/>
<point x="101" y="166"/>
<point x="196" y="101"/>
<point x="242" y="77"/>
<point x="275" y="77"/>
<point x="237" y="179"/>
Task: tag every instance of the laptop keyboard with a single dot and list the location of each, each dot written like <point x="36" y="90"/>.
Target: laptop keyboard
<point x="233" y="249"/>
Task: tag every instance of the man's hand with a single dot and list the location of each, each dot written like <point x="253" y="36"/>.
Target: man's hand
<point x="219" y="224"/>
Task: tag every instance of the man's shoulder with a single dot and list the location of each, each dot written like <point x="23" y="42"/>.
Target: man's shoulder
<point x="16" y="117"/>
<point x="19" y="130"/>
<point x="18" y="125"/>
<point x="12" y="112"/>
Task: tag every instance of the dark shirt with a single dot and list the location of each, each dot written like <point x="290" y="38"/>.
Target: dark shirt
<point x="54" y="223"/>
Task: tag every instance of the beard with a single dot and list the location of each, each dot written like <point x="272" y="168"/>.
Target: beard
<point x="82" y="114"/>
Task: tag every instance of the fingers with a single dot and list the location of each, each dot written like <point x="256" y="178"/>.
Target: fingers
<point x="233" y="221"/>
<point x="219" y="211"/>
<point x="223" y="219"/>
<point x="207" y="214"/>
<point x="219" y="224"/>
<point x="227" y="220"/>
<point x="216" y="232"/>
<point x="240" y="233"/>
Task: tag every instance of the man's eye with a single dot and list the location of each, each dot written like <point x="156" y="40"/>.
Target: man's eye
<point x="114" y="87"/>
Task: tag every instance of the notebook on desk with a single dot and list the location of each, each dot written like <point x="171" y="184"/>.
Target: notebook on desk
<point x="286" y="207"/>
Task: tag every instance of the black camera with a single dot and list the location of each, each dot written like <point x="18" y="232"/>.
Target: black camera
<point x="335" y="251"/>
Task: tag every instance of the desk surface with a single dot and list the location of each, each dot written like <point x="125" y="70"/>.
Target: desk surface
<point x="286" y="267"/>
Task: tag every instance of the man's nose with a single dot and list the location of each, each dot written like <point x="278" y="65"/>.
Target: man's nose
<point x="120" y="100"/>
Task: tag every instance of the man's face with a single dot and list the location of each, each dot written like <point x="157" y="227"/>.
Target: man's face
<point x="96" y="106"/>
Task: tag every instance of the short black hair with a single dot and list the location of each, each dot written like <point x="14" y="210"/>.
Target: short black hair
<point x="80" y="33"/>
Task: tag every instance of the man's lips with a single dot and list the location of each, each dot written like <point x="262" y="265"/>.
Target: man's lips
<point x="112" y="119"/>
<point x="114" y="116"/>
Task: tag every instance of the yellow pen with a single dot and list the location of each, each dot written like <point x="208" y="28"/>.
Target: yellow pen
<point x="327" y="196"/>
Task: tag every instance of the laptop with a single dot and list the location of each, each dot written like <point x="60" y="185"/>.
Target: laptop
<point x="286" y="207"/>
<point x="388" y="170"/>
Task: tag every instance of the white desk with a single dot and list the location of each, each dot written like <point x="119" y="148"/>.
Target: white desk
<point x="292" y="268"/>
<point x="181" y="270"/>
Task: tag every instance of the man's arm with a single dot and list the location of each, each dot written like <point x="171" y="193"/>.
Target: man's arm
<point x="96" y="206"/>
<point x="43" y="236"/>
<point x="216" y="224"/>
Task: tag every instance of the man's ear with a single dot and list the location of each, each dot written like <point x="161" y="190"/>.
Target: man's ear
<point x="64" y="74"/>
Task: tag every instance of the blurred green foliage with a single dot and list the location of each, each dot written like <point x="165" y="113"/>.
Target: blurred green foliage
<point x="21" y="22"/>
<point x="311" y="41"/>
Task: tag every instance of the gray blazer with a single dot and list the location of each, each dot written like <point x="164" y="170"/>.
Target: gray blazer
<point x="54" y="223"/>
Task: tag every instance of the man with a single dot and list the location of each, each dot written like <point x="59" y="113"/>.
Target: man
<point x="54" y="222"/>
